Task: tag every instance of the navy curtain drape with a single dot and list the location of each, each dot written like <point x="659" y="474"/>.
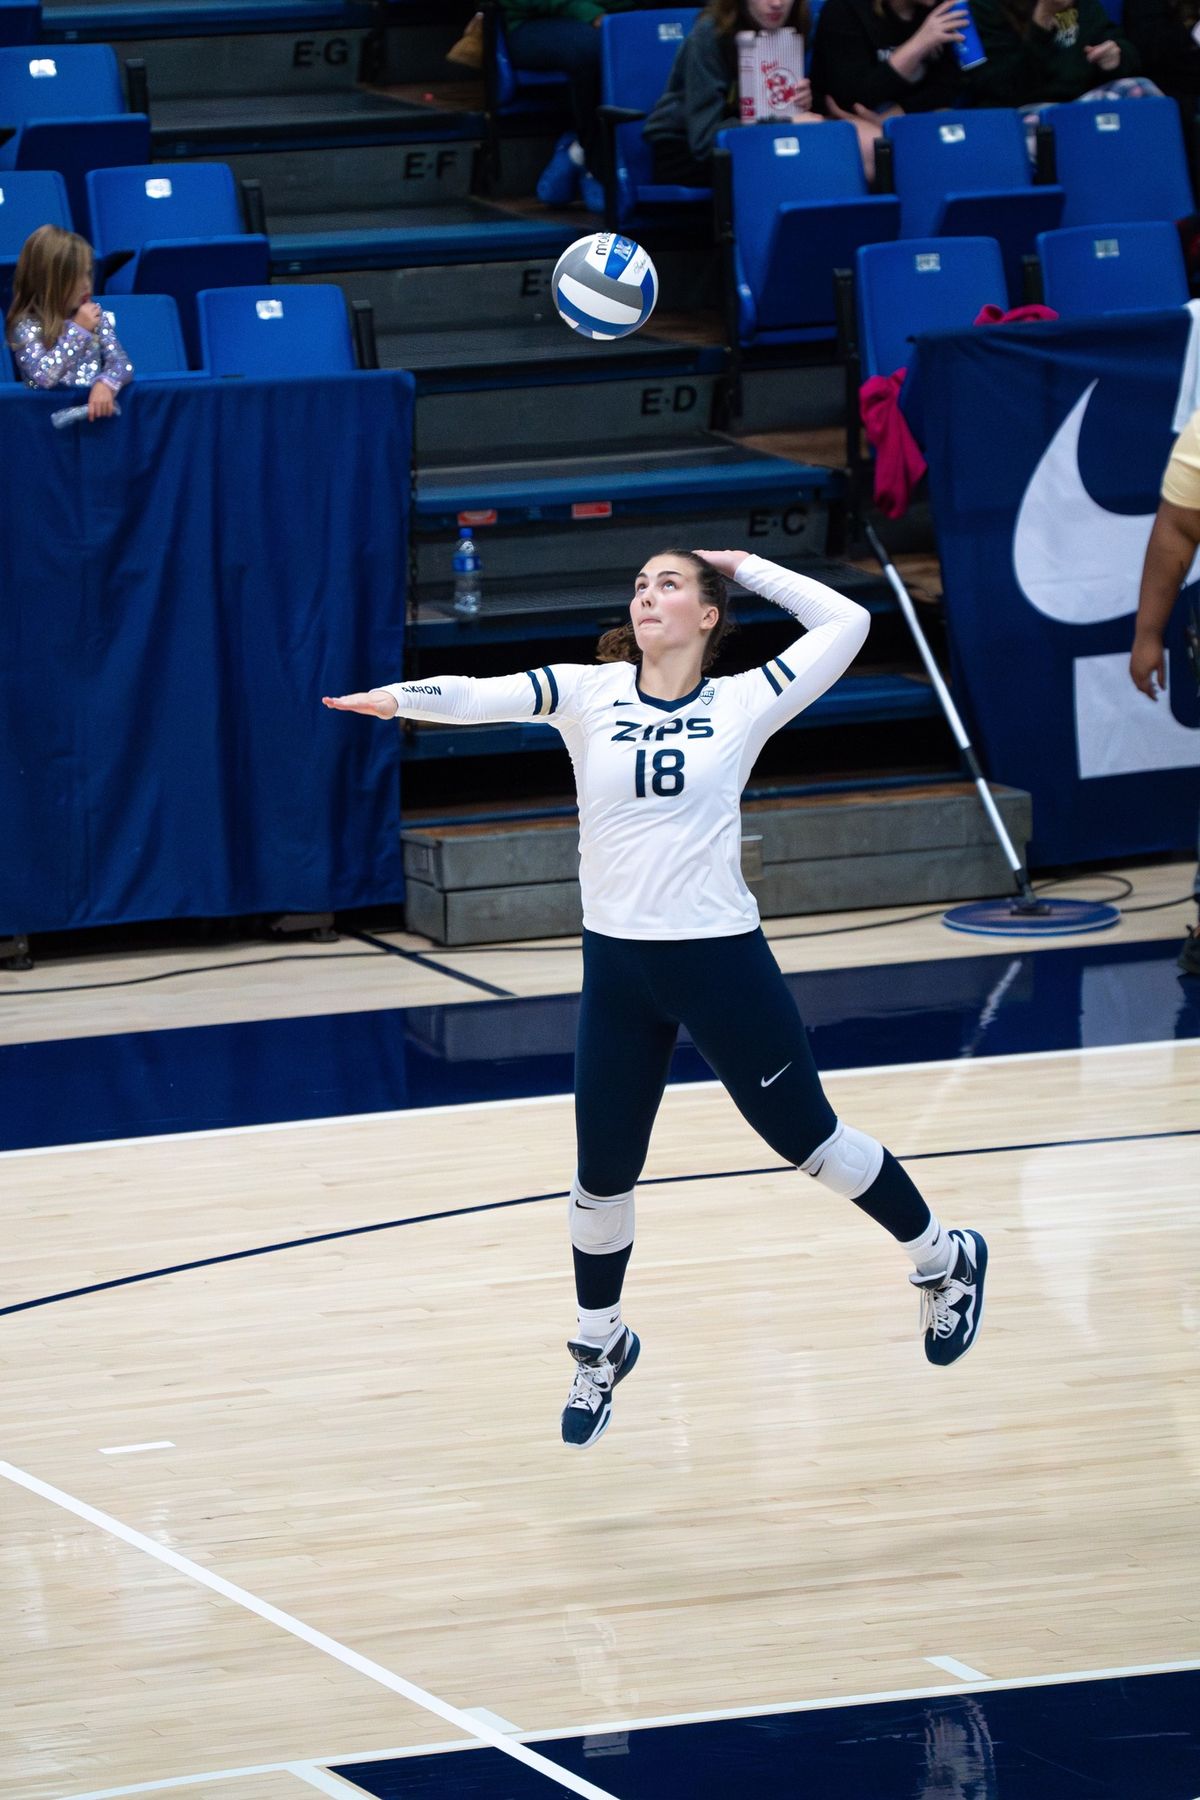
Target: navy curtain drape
<point x="178" y="588"/>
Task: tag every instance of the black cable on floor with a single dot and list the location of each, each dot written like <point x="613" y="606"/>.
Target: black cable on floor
<point x="255" y="962"/>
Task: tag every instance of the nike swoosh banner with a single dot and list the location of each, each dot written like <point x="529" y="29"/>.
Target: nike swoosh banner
<point x="1046" y="446"/>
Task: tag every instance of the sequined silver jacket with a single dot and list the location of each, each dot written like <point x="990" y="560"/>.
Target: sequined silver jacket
<point x="79" y="359"/>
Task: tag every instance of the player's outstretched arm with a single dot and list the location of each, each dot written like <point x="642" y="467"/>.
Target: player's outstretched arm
<point x="546" y="693"/>
<point x="377" y="703"/>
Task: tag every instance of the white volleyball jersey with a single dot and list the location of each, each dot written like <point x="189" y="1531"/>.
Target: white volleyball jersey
<point x="659" y="782"/>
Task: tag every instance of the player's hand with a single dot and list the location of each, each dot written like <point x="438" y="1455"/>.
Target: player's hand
<point x="102" y="402"/>
<point x="376" y="704"/>
<point x="728" y="562"/>
<point x="1148" y="664"/>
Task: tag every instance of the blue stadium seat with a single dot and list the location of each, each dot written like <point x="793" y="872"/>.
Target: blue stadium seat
<point x="1113" y="268"/>
<point x="59" y="81"/>
<point x="1121" y="160"/>
<point x="292" y="330"/>
<point x="20" y="21"/>
<point x="797" y="208"/>
<point x="510" y="88"/>
<point x="917" y="285"/>
<point x="66" y="103"/>
<point x="637" y="50"/>
<point x="179" y="227"/>
<point x="28" y="198"/>
<point x="148" y="327"/>
<point x="968" y="175"/>
<point x="7" y="372"/>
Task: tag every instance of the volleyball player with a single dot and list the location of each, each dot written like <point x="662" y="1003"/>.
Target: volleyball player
<point x="661" y="753"/>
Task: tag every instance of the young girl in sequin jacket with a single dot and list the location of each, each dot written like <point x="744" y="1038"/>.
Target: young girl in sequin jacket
<point x="58" y="335"/>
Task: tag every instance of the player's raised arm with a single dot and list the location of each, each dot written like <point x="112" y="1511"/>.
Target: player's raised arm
<point x="835" y="630"/>
<point x="464" y="700"/>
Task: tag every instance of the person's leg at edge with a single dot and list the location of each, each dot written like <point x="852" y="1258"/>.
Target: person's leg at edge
<point x="745" y="1024"/>
<point x="1189" y="956"/>
<point x="622" y="1056"/>
<point x="570" y="47"/>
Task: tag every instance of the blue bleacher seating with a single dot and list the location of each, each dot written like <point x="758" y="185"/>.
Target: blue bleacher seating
<point x="637" y="50"/>
<point x="20" y="21"/>
<point x="66" y="104"/>
<point x="968" y="174"/>
<point x="918" y="285"/>
<point x="510" y="88"/>
<point x="292" y="330"/>
<point x="182" y="224"/>
<point x="59" y="81"/>
<point x="28" y="198"/>
<point x="1089" y="269"/>
<point x="7" y="372"/>
<point x="1121" y="160"/>
<point x="148" y="327"/>
<point x="799" y="209"/>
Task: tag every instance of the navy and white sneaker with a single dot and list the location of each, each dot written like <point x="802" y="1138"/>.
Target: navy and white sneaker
<point x="589" y="1404"/>
<point x="558" y="183"/>
<point x="952" y="1304"/>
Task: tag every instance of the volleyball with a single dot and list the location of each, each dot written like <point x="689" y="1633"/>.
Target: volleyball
<point x="604" y="285"/>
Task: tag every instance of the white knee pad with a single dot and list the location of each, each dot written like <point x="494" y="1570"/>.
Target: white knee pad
<point x="600" y="1223"/>
<point x="847" y="1162"/>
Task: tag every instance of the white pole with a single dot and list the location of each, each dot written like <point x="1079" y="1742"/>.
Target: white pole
<point x="953" y="717"/>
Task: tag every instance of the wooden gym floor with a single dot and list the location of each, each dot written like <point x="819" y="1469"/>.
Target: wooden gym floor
<point x="285" y="1507"/>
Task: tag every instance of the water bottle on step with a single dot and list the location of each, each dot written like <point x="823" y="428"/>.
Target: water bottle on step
<point x="468" y="577"/>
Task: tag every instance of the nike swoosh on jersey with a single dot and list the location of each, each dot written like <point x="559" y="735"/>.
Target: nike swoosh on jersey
<point x="768" y="1079"/>
<point x="622" y="702"/>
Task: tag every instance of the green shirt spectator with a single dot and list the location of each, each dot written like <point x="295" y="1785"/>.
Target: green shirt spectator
<point x="1040" y="51"/>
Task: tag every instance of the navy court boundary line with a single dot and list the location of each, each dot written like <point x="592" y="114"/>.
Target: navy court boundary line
<point x="462" y="1212"/>
<point x="430" y="962"/>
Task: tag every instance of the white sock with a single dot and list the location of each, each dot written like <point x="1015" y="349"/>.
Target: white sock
<point x="932" y="1253"/>
<point x="597" y="1327"/>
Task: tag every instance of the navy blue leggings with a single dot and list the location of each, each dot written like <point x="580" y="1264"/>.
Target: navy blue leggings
<point x="732" y="998"/>
<point x="572" y="47"/>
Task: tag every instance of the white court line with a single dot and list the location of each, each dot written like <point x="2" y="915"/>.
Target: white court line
<point x="323" y="1781"/>
<point x="493" y="1719"/>
<point x="952" y="1666"/>
<point x="351" y="1659"/>
<point x="134" y="1449"/>
<point x="404" y="1751"/>
<point x="675" y="1087"/>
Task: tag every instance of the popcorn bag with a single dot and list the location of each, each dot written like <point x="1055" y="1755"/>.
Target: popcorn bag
<point x="770" y="70"/>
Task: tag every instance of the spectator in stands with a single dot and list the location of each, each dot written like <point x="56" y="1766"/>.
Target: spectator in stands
<point x="561" y="35"/>
<point x="58" y="335"/>
<point x="1041" y="52"/>
<point x="701" y="96"/>
<point x="873" y="57"/>
<point x="1164" y="34"/>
